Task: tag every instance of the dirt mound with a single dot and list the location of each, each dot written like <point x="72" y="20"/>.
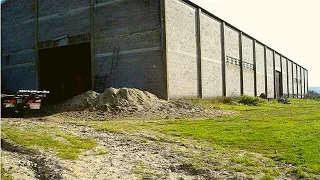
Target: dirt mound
<point x="131" y="103"/>
<point x="80" y="102"/>
<point x="124" y="99"/>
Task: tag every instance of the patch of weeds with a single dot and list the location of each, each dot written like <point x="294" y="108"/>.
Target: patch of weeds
<point x="300" y="172"/>
<point x="267" y="177"/>
<point x="251" y="101"/>
<point x="5" y="174"/>
<point x="140" y="168"/>
<point x="31" y="138"/>
<point x="100" y="151"/>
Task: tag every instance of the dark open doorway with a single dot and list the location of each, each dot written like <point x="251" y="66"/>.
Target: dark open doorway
<point x="278" y="85"/>
<point x="65" y="71"/>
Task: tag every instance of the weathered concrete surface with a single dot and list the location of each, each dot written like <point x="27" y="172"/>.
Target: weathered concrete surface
<point x="284" y="76"/>
<point x="134" y="27"/>
<point x="248" y="73"/>
<point x="290" y="78"/>
<point x="277" y="62"/>
<point x="270" y="79"/>
<point x="63" y="17"/>
<point x="232" y="71"/>
<point x="260" y="69"/>
<point x="211" y="57"/>
<point x="295" y="80"/>
<point x="298" y="81"/>
<point x="181" y="49"/>
<point x="18" y="66"/>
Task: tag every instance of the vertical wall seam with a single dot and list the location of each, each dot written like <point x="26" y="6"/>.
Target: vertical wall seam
<point x="223" y="59"/>
<point x="255" y="67"/>
<point x="304" y="82"/>
<point x="36" y="9"/>
<point x="281" y="78"/>
<point x="300" y="82"/>
<point x="92" y="44"/>
<point x="274" y="74"/>
<point x="241" y="63"/>
<point x="288" y="91"/>
<point x="164" y="47"/>
<point x="297" y="95"/>
<point x="307" y="81"/>
<point x="292" y="79"/>
<point x="265" y="72"/>
<point x="199" y="55"/>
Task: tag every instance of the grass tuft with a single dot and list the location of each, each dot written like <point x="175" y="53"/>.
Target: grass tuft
<point x="35" y="138"/>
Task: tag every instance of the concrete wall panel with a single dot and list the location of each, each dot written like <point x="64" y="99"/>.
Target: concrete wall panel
<point x="295" y="80"/>
<point x="248" y="72"/>
<point x="142" y="70"/>
<point x="114" y="18"/>
<point x="211" y="57"/>
<point x="277" y="62"/>
<point x="181" y="49"/>
<point x="298" y="81"/>
<point x="63" y="17"/>
<point x="260" y="69"/>
<point x="270" y="79"/>
<point x="290" y="78"/>
<point x="19" y="76"/>
<point x="232" y="70"/>
<point x="284" y="76"/>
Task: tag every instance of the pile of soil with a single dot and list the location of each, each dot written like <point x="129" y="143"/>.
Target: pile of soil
<point x="114" y="100"/>
<point x="130" y="102"/>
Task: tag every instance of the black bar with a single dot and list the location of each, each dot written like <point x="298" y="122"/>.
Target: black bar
<point x="287" y="78"/>
<point x="265" y="71"/>
<point x="199" y="56"/>
<point x="37" y="60"/>
<point x="292" y="79"/>
<point x="297" y="80"/>
<point x="92" y="44"/>
<point x="281" y="85"/>
<point x="274" y="74"/>
<point x="223" y="59"/>
<point x="255" y="67"/>
<point x="164" y="48"/>
<point x="241" y="63"/>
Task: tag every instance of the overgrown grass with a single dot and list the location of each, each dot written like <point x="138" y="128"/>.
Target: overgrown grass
<point x="65" y="145"/>
<point x="5" y="174"/>
<point x="285" y="133"/>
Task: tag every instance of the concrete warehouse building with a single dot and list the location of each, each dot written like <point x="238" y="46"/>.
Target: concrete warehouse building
<point x="172" y="48"/>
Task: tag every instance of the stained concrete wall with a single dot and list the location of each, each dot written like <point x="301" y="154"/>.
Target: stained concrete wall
<point x="277" y="62"/>
<point x="18" y="66"/>
<point x="302" y="83"/>
<point x="211" y="56"/>
<point x="181" y="49"/>
<point x="58" y="18"/>
<point x="232" y="70"/>
<point x="260" y="69"/>
<point x="284" y="76"/>
<point x="248" y="71"/>
<point x="134" y="27"/>
<point x="298" y="81"/>
<point x="295" y="80"/>
<point x="270" y="79"/>
<point x="290" y="78"/>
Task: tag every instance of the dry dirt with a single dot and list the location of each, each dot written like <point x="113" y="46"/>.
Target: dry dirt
<point x="126" y="156"/>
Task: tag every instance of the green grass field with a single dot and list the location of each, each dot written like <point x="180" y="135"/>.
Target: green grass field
<point x="285" y="133"/>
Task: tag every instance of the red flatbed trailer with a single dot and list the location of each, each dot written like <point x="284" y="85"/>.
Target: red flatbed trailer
<point x="20" y="101"/>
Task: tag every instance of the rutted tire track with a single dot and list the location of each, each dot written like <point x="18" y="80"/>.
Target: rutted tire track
<point x="42" y="169"/>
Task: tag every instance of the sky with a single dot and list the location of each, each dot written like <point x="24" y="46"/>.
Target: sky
<point x="291" y="27"/>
